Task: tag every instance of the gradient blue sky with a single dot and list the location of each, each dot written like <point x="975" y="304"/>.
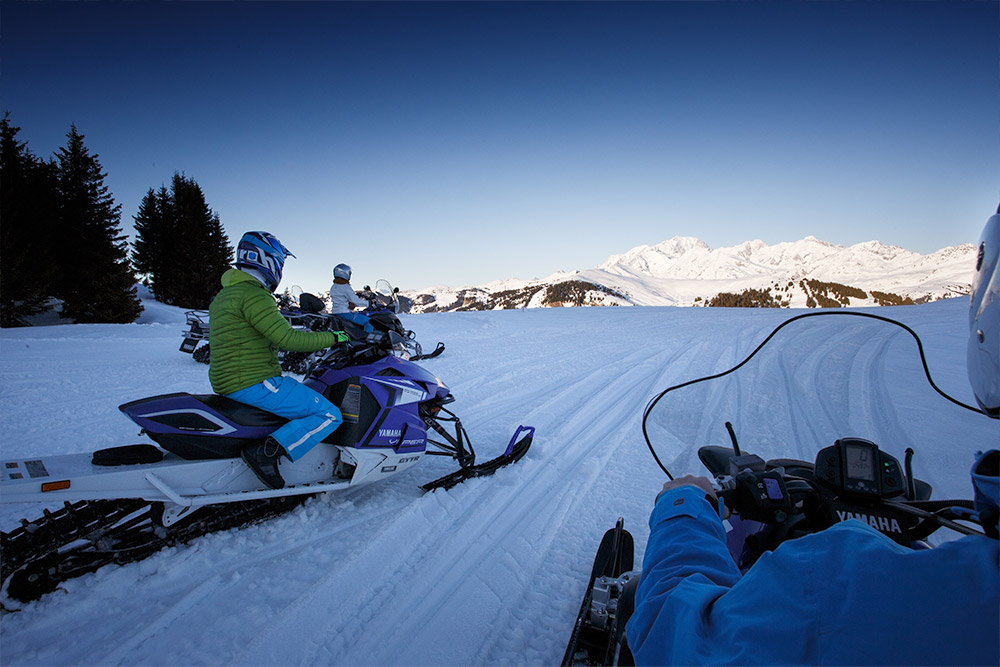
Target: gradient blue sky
<point x="457" y="143"/>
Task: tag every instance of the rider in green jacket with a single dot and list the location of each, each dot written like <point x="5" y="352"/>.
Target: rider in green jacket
<point x="245" y="330"/>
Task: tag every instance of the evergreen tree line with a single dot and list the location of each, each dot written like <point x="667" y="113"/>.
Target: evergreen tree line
<point x="60" y="237"/>
<point x="180" y="245"/>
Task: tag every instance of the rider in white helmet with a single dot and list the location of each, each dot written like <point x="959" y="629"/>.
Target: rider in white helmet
<point x="342" y="296"/>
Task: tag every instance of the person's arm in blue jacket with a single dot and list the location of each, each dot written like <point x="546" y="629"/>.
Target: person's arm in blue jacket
<point x="845" y="595"/>
<point x="686" y="567"/>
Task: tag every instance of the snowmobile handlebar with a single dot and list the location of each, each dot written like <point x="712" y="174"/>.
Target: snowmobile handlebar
<point x="851" y="479"/>
<point x="374" y="344"/>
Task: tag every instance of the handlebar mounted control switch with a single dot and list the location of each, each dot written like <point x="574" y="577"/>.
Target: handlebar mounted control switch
<point x="761" y="496"/>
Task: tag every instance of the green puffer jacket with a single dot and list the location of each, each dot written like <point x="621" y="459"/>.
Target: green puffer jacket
<point x="245" y="330"/>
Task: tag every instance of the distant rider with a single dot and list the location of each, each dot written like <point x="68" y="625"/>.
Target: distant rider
<point x="245" y="330"/>
<point x="847" y="595"/>
<point x="342" y="296"/>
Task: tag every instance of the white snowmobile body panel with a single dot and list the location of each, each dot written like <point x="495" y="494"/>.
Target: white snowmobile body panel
<point x="184" y="482"/>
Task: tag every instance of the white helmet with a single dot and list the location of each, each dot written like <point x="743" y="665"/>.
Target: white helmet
<point x="342" y="271"/>
<point x="984" y="321"/>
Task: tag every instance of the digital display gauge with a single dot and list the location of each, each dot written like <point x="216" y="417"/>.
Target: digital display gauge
<point x="857" y="467"/>
<point x="860" y="462"/>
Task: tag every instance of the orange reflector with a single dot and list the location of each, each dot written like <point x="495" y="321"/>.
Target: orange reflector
<point x="55" y="486"/>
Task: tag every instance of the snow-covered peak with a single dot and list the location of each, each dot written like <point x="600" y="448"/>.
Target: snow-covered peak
<point x="651" y="259"/>
<point x="686" y="258"/>
<point x="684" y="270"/>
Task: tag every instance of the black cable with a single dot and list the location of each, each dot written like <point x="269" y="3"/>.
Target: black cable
<point x="920" y="347"/>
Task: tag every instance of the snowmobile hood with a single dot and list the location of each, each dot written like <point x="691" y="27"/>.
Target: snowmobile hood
<point x="414" y="372"/>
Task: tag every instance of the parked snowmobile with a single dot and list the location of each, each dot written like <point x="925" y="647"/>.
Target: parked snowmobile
<point x="291" y="362"/>
<point x="383" y="307"/>
<point x="380" y="315"/>
<point x="305" y="316"/>
<point x="801" y="395"/>
<point x="125" y="503"/>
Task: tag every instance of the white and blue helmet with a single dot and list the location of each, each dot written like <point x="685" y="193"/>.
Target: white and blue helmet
<point x="263" y="254"/>
<point x="983" y="357"/>
<point x="342" y="271"/>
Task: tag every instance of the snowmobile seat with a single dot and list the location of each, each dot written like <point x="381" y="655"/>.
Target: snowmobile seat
<point x="193" y="446"/>
<point x="184" y="424"/>
<point x="353" y="329"/>
<point x="241" y="413"/>
<point x="310" y="303"/>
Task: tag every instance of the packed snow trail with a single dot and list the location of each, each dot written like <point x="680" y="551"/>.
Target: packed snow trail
<point x="488" y="572"/>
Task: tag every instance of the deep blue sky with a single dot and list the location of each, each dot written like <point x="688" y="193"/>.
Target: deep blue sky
<point x="457" y="143"/>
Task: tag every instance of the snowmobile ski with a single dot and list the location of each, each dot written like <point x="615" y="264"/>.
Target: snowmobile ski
<point x="516" y="449"/>
<point x="430" y="355"/>
<point x="600" y="623"/>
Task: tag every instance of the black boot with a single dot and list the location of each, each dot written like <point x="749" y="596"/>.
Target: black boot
<point x="263" y="460"/>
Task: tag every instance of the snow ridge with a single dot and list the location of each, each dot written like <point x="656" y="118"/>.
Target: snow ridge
<point x="685" y="271"/>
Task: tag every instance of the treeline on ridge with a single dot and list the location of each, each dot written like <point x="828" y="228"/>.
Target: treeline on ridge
<point x="819" y="294"/>
<point x="566" y="293"/>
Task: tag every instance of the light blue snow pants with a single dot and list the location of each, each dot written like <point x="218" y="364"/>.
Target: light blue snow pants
<point x="312" y="417"/>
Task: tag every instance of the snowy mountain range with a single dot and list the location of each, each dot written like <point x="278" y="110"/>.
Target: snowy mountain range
<point x="685" y="271"/>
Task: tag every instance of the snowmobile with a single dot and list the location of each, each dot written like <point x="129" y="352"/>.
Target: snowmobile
<point x="803" y="395"/>
<point x="383" y="306"/>
<point x="291" y="362"/>
<point x="124" y="503"/>
<point x="380" y="315"/>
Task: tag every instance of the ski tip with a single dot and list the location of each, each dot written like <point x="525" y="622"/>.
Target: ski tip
<point x="521" y="445"/>
<point x="516" y="449"/>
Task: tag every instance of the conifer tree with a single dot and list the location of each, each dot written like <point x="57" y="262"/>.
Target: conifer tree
<point x="27" y="196"/>
<point x="152" y="227"/>
<point x="181" y="245"/>
<point x="94" y="277"/>
<point x="205" y="253"/>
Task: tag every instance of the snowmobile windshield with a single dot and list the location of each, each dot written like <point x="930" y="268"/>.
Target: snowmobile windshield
<point x="383" y="287"/>
<point x="820" y="378"/>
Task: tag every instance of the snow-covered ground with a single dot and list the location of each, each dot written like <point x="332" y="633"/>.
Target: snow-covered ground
<point x="489" y="572"/>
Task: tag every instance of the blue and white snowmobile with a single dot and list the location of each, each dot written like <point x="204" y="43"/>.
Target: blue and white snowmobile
<point x="124" y="503"/>
<point x="852" y="442"/>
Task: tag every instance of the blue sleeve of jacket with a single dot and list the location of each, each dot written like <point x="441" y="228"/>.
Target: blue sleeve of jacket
<point x="845" y="595"/>
<point x="686" y="567"/>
